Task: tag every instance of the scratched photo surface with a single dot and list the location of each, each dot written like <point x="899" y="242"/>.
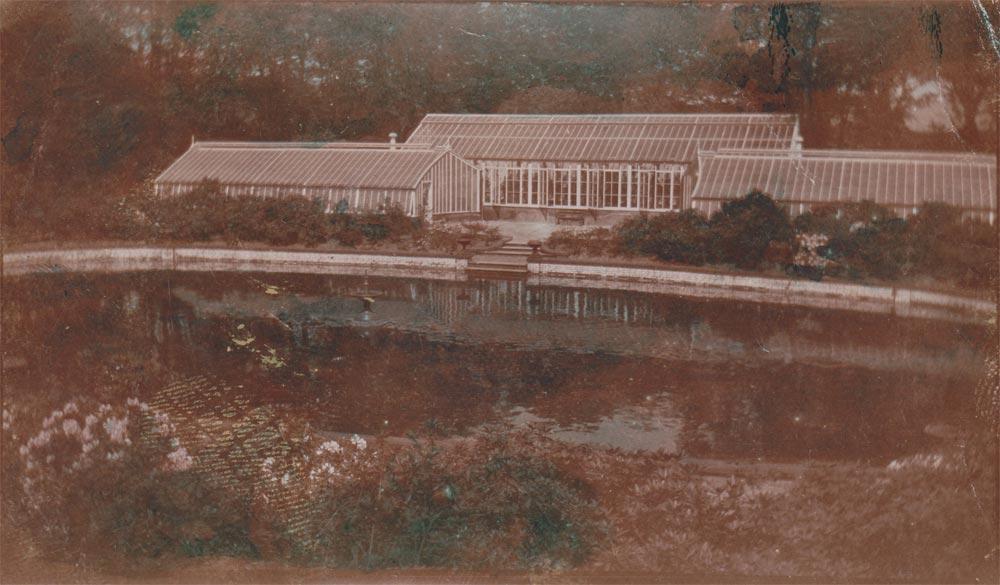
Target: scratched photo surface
<point x="487" y="292"/>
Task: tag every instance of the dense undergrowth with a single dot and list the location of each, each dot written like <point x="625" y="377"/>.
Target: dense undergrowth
<point x="856" y="241"/>
<point x="122" y="481"/>
<point x="204" y="214"/>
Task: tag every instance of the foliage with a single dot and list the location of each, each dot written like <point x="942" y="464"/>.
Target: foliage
<point x="681" y="237"/>
<point x="597" y="241"/>
<point x="491" y="506"/>
<point x="99" y="477"/>
<point x="673" y="520"/>
<point x="860" y="240"/>
<point x="205" y="213"/>
<point x="387" y="223"/>
<point x="448" y="237"/>
<point x="912" y="522"/>
<point x="744" y="229"/>
<point x="916" y="519"/>
<point x="946" y="247"/>
<point x="152" y="79"/>
<point x="93" y="479"/>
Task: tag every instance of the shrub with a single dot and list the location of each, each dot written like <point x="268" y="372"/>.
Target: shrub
<point x="128" y="218"/>
<point x="477" y="230"/>
<point x="592" y="242"/>
<point x="293" y="219"/>
<point x="878" y="249"/>
<point x="680" y="237"/>
<point x="445" y="237"/>
<point x="743" y="230"/>
<point x="388" y="222"/>
<point x="198" y="215"/>
<point x="205" y="213"/>
<point x="95" y="479"/>
<point x="492" y="505"/>
<point x="945" y="247"/>
<point x="441" y="237"/>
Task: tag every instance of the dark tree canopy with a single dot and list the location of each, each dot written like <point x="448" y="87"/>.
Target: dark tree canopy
<point x="99" y="97"/>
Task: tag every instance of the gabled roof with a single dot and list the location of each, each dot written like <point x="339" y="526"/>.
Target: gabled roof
<point x="370" y="166"/>
<point x="604" y="138"/>
<point x="890" y="178"/>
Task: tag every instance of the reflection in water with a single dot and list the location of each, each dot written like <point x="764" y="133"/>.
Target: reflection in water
<point x="627" y="370"/>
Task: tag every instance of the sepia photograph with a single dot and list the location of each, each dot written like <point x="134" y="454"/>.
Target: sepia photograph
<point x="489" y="292"/>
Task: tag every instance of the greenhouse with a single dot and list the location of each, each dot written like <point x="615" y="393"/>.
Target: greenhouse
<point x="628" y="162"/>
<point x="901" y="181"/>
<point x="358" y="176"/>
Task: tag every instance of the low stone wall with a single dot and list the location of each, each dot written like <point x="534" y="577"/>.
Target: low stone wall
<point x="207" y="259"/>
<point x="854" y="297"/>
<point x="875" y="299"/>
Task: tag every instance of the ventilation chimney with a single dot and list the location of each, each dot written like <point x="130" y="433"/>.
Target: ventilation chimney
<point x="392" y="137"/>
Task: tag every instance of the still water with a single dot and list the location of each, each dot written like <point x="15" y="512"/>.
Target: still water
<point x="710" y="379"/>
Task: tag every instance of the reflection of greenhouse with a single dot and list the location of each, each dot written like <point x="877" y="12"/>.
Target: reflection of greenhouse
<point x="516" y="298"/>
<point x="587" y="320"/>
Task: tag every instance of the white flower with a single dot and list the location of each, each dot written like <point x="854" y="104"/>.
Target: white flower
<point x="180" y="460"/>
<point x="114" y="455"/>
<point x="41" y="439"/>
<point x="359" y="442"/>
<point x="70" y="427"/>
<point x="51" y="419"/>
<point x="329" y="446"/>
<point x="116" y="428"/>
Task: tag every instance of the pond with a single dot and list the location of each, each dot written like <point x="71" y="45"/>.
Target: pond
<point x="696" y="379"/>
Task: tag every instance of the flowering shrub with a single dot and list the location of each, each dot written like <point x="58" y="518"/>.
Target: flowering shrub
<point x="162" y="478"/>
<point x="98" y="477"/>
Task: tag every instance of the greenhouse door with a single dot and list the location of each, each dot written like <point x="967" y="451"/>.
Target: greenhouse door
<point x="426" y="201"/>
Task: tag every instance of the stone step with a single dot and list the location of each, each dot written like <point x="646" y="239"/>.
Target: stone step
<point x="505" y="252"/>
<point x="499" y="259"/>
<point x="494" y="271"/>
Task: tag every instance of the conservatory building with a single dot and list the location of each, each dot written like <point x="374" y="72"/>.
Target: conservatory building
<point x="533" y="164"/>
<point x="799" y="181"/>
<point x="427" y="181"/>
